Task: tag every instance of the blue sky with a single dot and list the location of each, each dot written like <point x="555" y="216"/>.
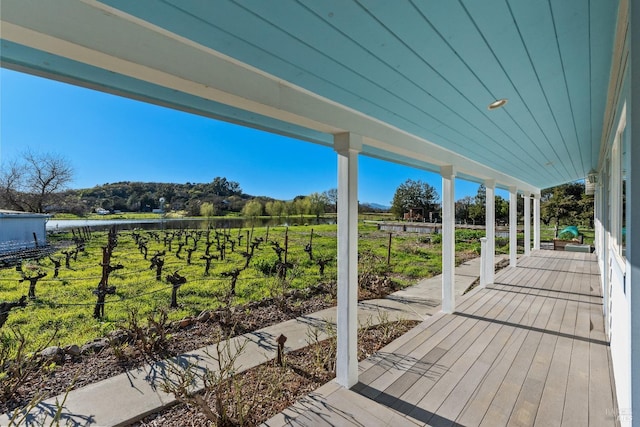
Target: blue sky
<point x="107" y="138"/>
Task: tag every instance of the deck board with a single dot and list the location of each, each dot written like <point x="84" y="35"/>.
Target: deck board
<point x="474" y="411"/>
<point x="529" y="349"/>
<point x="532" y="353"/>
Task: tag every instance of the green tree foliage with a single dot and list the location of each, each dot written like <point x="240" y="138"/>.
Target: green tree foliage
<point x="290" y="208"/>
<point x="477" y="211"/>
<point x="317" y="204"/>
<point x="473" y="209"/>
<point x="462" y="209"/>
<point x="193" y="207"/>
<point x="502" y="210"/>
<point x="207" y="209"/>
<point x="223" y="194"/>
<point x="148" y="202"/>
<point x="301" y="206"/>
<point x="252" y="209"/>
<point x="275" y="208"/>
<point x="222" y="187"/>
<point x="566" y="205"/>
<point x="414" y="195"/>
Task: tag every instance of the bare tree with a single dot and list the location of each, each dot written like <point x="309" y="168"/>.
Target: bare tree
<point x="32" y="183"/>
<point x="332" y="198"/>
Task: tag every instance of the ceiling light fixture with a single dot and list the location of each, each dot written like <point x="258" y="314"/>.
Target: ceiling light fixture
<point x="497" y="104"/>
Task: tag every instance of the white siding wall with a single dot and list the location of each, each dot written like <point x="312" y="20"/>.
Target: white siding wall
<point x="617" y="265"/>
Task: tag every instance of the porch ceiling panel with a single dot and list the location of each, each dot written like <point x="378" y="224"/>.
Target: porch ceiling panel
<point x="426" y="70"/>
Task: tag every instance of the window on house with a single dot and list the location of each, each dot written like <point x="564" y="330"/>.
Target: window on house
<point x="623" y="195"/>
<point x="617" y="191"/>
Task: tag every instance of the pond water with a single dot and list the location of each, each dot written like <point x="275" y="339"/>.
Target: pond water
<point x="172" y="224"/>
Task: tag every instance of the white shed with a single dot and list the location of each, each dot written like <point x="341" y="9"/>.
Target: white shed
<point x="22" y="230"/>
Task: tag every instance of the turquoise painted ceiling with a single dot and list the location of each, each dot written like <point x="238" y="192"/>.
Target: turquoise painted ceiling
<point x="424" y="70"/>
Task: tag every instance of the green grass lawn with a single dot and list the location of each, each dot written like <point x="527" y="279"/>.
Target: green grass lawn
<point x="67" y="302"/>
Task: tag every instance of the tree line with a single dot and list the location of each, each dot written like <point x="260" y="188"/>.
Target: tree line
<point x="565" y="204"/>
<point x="37" y="183"/>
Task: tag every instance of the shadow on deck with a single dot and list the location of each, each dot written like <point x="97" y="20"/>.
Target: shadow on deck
<point x="529" y="349"/>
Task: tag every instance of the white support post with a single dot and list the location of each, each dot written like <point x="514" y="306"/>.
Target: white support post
<point x="483" y="262"/>
<point x="490" y="227"/>
<point x="347" y="146"/>
<point x="527" y="223"/>
<point x="536" y="222"/>
<point x="513" y="226"/>
<point x="448" y="239"/>
<point x="601" y="253"/>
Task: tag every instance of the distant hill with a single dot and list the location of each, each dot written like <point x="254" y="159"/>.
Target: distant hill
<point x="145" y="196"/>
<point x="223" y="195"/>
<point x="376" y="206"/>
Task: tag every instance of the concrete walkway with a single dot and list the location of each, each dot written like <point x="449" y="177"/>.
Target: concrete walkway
<point x="128" y="397"/>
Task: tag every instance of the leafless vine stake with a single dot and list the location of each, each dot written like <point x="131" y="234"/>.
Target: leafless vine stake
<point x="157" y="262"/>
<point x="6" y="307"/>
<point x="234" y="278"/>
<point x="142" y="247"/>
<point x="180" y="245"/>
<point x="278" y="250"/>
<point x="33" y="280"/>
<point x="309" y="248"/>
<point x="103" y="287"/>
<point x="207" y="259"/>
<point x="190" y="252"/>
<point x="222" y="248"/>
<point x="322" y="263"/>
<point x="56" y="266"/>
<point x="68" y="254"/>
<point x="176" y="281"/>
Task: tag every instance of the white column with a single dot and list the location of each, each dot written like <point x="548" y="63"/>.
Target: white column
<point x="527" y="223"/>
<point x="513" y="226"/>
<point x="536" y="222"/>
<point x="483" y="262"/>
<point x="490" y="226"/>
<point x="599" y="204"/>
<point x="347" y="146"/>
<point x="448" y="239"/>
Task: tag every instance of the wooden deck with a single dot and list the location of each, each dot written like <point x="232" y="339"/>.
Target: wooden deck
<point x="528" y="350"/>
